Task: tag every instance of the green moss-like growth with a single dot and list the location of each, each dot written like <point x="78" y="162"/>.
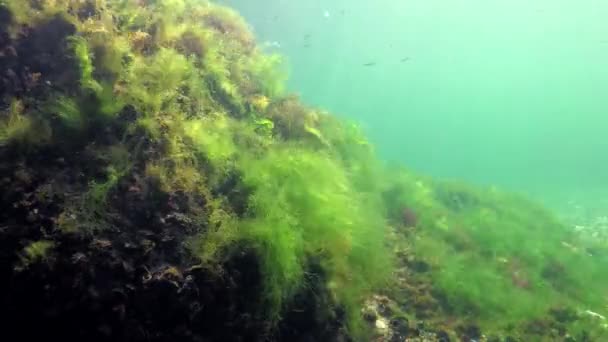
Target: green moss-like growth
<point x="36" y="251"/>
<point x="178" y="131"/>
<point x="150" y="145"/>
<point x="18" y="128"/>
<point x="498" y="259"/>
<point x="304" y="206"/>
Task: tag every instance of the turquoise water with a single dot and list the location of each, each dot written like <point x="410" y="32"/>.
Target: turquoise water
<point x="494" y="92"/>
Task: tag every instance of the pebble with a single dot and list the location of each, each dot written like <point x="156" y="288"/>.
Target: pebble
<point x="381" y="324"/>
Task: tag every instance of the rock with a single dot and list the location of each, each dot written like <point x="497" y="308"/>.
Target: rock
<point x="401" y="329"/>
<point x="469" y="332"/>
<point x="443" y="336"/>
<point x="101" y="243"/>
<point x="369" y="314"/>
<point x="382" y="325"/>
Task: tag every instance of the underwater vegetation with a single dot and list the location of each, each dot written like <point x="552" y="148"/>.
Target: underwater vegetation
<point x="159" y="183"/>
<point x="158" y="137"/>
<point x="499" y="260"/>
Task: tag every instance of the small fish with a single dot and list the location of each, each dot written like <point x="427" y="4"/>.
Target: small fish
<point x="326" y="14"/>
<point x="594" y="314"/>
<point x="273" y="44"/>
<point x="275" y="17"/>
<point x="307" y="36"/>
<point x="570" y="247"/>
<point x="369" y="64"/>
<point x="341" y="12"/>
<point x="306" y="45"/>
<point x="405" y="59"/>
<point x="134" y="188"/>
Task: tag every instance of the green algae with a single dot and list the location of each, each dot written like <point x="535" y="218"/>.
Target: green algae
<point x="497" y="259"/>
<point x="177" y="93"/>
<point x="211" y="104"/>
<point x="36" y="251"/>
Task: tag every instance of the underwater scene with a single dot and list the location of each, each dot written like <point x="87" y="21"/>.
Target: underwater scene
<point x="273" y="170"/>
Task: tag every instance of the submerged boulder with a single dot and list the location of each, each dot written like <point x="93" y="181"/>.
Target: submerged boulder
<point x="158" y="185"/>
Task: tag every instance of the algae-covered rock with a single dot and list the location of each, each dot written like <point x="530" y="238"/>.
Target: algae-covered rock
<point x="484" y="262"/>
<point x="157" y="183"/>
